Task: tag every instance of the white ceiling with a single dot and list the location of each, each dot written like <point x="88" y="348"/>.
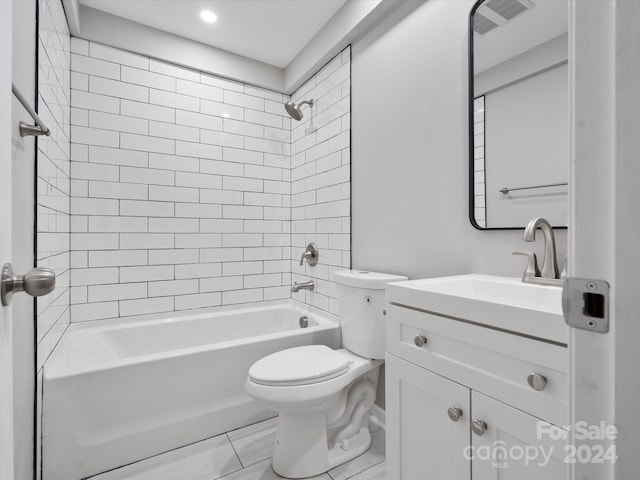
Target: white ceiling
<point x="546" y="20"/>
<point x="271" y="31"/>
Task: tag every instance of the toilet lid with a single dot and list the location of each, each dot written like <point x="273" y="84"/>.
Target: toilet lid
<point x="299" y="366"/>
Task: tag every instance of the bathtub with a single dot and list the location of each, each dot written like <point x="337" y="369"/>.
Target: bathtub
<point x="119" y="391"/>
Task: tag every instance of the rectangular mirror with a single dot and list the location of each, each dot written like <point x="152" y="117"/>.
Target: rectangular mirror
<point x="518" y="113"/>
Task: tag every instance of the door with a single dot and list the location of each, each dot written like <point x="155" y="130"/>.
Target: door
<point x="513" y="445"/>
<point x="605" y="225"/>
<point x="6" y="351"/>
<point x="423" y="442"/>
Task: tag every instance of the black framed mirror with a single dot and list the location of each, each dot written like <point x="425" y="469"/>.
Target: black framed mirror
<point x="518" y="113"/>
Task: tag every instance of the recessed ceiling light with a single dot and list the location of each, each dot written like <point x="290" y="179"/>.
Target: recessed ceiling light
<point x="208" y="16"/>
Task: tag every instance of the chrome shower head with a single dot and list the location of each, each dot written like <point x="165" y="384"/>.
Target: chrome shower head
<point x="294" y="109"/>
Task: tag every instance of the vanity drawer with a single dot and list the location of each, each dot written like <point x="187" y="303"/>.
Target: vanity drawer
<point x="489" y="361"/>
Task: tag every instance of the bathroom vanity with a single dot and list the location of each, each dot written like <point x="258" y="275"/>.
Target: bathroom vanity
<point x="477" y="382"/>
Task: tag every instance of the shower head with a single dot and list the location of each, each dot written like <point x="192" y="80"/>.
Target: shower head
<point x="294" y="109"/>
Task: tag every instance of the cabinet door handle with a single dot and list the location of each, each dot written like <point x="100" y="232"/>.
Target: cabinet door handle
<point x="478" y="427"/>
<point x="454" y="413"/>
<point x="537" y="381"/>
<point x="420" y="340"/>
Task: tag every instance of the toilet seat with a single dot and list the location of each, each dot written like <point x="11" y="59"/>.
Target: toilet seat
<point x="299" y="366"/>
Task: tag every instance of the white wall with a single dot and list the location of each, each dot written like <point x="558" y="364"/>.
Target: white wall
<point x="525" y="137"/>
<point x="410" y="152"/>
<point x="526" y="144"/>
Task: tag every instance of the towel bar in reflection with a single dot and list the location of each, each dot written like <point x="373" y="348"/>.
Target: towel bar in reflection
<point x="506" y="190"/>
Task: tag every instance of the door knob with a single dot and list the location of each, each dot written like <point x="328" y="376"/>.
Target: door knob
<point x="36" y="282"/>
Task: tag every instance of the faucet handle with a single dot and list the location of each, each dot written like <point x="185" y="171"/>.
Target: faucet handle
<point x="311" y="255"/>
<point x="532" y="269"/>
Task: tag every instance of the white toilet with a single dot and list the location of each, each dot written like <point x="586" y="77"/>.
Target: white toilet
<point x="324" y="396"/>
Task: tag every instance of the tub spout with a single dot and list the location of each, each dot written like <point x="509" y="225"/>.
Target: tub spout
<point x="302" y="286"/>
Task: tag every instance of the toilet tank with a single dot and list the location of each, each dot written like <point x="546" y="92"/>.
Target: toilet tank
<point x="361" y="300"/>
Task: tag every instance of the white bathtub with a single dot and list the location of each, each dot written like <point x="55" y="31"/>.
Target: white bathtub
<point x="116" y="392"/>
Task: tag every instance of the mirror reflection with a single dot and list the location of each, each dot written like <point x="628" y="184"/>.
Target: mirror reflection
<point x="518" y="112"/>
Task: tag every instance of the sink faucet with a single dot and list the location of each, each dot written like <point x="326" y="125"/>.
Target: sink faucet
<point x="548" y="274"/>
<point x="302" y="286"/>
<point x="549" y="263"/>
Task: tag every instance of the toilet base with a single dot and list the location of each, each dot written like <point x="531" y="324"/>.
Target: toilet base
<point x="307" y="455"/>
<point x="309" y="442"/>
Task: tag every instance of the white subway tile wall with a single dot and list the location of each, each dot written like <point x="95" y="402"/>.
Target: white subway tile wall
<point x="321" y="180"/>
<point x="479" y="199"/>
<point x="53" y="187"/>
<point x="182" y="186"/>
<point x="53" y="172"/>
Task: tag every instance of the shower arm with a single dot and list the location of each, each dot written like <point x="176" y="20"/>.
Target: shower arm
<point x="305" y="102"/>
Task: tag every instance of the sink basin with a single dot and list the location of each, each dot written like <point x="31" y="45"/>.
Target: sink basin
<point x="496" y="302"/>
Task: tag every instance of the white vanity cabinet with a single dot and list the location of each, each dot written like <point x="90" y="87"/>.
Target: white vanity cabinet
<point x="517" y="431"/>
<point x="422" y="442"/>
<point x="444" y="374"/>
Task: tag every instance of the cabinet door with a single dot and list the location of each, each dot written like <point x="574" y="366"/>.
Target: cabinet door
<point x="422" y="441"/>
<point x="512" y="447"/>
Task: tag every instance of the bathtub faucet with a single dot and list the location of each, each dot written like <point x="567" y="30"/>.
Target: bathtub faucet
<point x="302" y="286"/>
<point x="311" y="255"/>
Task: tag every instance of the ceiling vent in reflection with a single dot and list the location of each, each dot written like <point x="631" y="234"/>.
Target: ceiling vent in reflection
<point x="493" y="13"/>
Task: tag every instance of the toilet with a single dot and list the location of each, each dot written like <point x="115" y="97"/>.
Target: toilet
<point x="323" y="397"/>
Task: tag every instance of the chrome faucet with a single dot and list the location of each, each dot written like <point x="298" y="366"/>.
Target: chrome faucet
<point x="549" y="263"/>
<point x="302" y="286"/>
<point x="311" y="255"/>
<point x="548" y="274"/>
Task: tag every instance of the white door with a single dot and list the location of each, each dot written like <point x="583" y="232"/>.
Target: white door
<point x="605" y="225"/>
<point x="6" y="352"/>
<point x="514" y="445"/>
<point x="422" y="441"/>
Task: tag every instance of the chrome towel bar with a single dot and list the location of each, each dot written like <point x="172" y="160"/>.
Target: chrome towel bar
<point x="506" y="190"/>
<point x="25" y="129"/>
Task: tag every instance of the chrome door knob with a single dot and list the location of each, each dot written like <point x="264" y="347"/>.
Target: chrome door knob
<point x="420" y="340"/>
<point x="36" y="282"/>
<point x="478" y="427"/>
<point x="537" y="381"/>
<point x="454" y="414"/>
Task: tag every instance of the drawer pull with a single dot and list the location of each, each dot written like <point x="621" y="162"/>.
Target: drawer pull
<point x="478" y="427"/>
<point x="537" y="381"/>
<point x="454" y="414"/>
<point x="420" y="340"/>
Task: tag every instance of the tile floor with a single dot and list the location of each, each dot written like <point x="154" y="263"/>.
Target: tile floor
<point x="243" y="454"/>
